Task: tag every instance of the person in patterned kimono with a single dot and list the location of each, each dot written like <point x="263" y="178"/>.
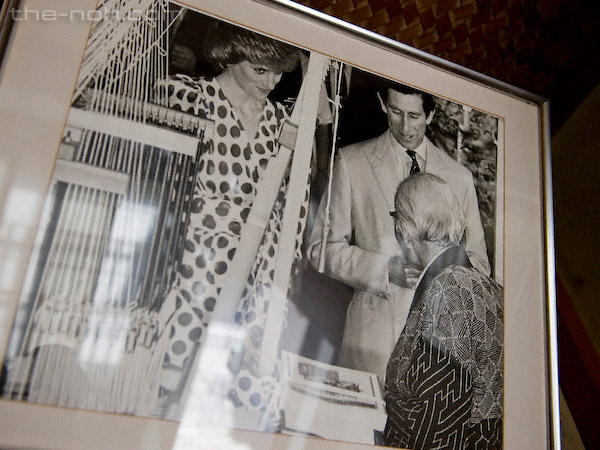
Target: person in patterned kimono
<point x="444" y="381"/>
<point x="232" y="162"/>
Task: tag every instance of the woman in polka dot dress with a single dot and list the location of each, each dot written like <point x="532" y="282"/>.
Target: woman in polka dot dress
<point x="232" y="162"/>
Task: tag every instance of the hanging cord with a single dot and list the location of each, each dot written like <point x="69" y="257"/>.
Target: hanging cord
<point x="337" y="104"/>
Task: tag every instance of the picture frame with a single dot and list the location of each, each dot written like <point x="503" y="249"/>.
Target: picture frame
<point x="39" y="73"/>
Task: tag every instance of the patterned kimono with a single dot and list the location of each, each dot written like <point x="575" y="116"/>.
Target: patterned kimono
<point x="444" y="382"/>
<point x="230" y="168"/>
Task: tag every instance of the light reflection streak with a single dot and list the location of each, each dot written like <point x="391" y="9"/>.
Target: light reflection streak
<point x="106" y="339"/>
<point x="19" y="216"/>
<point x="208" y="413"/>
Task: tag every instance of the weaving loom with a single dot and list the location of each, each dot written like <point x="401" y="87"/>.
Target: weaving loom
<point x="115" y="223"/>
<point x="88" y="326"/>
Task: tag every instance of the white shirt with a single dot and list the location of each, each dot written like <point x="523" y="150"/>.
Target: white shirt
<point x="403" y="160"/>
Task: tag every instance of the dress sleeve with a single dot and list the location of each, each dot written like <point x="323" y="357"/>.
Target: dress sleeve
<point x="185" y="93"/>
<point x="402" y="403"/>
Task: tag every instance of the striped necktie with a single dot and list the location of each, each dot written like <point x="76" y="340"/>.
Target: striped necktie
<point x="414" y="168"/>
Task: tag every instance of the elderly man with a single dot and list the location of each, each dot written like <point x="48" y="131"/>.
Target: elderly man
<point x="444" y="382"/>
<point x="361" y="248"/>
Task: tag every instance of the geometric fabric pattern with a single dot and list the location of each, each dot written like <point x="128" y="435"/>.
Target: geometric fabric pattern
<point x="437" y="413"/>
<point x="444" y="383"/>
<point x="469" y="327"/>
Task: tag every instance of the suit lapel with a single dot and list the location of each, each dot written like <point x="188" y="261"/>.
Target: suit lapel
<point x="388" y="175"/>
<point x="384" y="167"/>
<point x="433" y="163"/>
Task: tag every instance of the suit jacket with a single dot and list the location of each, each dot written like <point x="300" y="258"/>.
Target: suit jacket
<point x="361" y="241"/>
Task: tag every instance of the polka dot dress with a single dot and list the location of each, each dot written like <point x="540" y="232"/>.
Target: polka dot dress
<point x="229" y="170"/>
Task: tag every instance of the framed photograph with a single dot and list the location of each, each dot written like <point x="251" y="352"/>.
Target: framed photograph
<point x="245" y="224"/>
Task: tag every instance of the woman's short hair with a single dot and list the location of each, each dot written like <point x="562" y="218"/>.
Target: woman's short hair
<point x="427" y="210"/>
<point x="228" y="44"/>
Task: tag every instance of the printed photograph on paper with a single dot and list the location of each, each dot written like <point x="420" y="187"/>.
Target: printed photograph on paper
<point x="297" y="233"/>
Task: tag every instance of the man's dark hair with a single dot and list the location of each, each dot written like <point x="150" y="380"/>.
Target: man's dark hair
<point x="428" y="100"/>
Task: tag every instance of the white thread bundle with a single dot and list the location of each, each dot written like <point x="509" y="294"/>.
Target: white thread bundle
<point x="91" y="334"/>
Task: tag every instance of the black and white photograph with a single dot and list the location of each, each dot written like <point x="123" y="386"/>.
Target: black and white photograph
<point x="407" y="223"/>
<point x="242" y="231"/>
<point x="165" y="157"/>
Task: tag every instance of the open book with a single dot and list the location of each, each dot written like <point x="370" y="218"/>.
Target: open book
<point x="329" y="401"/>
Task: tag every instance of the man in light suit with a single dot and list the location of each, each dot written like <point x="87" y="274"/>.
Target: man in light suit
<point x="361" y="248"/>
